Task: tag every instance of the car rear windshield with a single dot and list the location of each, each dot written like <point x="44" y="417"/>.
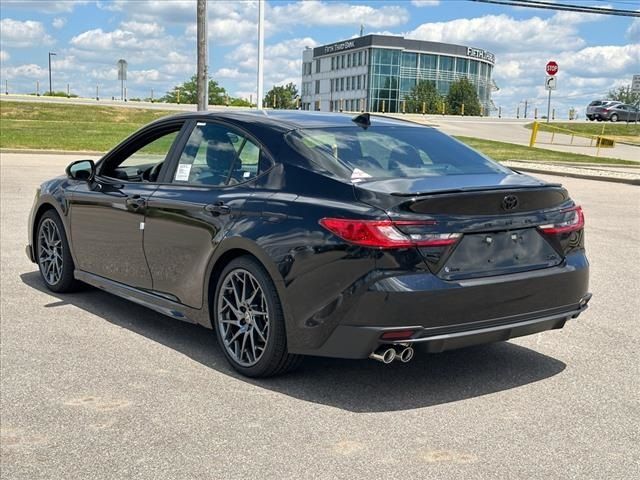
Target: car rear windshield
<point x="378" y="152"/>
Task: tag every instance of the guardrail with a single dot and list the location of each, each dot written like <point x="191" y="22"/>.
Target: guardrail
<point x="595" y="140"/>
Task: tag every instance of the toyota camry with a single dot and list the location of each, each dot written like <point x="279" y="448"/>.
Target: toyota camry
<point x="297" y="233"/>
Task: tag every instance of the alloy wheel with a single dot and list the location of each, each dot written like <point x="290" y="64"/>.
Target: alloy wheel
<point x="243" y="317"/>
<point x="50" y="251"/>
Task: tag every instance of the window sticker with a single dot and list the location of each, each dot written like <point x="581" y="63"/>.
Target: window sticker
<point x="182" y="174"/>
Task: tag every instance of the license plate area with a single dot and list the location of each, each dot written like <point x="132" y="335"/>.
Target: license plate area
<point x="497" y="253"/>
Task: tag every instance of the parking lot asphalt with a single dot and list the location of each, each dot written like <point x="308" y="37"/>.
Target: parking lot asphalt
<point x="95" y="387"/>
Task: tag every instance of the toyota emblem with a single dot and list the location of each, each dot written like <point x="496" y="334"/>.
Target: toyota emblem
<point x="510" y="202"/>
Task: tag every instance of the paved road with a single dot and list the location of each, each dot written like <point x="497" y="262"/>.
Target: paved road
<point x="95" y="387"/>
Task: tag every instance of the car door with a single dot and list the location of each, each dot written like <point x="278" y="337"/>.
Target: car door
<point x="202" y="194"/>
<point x="107" y="214"/>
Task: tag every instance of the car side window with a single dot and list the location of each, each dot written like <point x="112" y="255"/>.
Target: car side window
<point x="217" y="156"/>
<point x="145" y="162"/>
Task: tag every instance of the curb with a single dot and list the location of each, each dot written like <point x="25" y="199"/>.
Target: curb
<point x="628" y="181"/>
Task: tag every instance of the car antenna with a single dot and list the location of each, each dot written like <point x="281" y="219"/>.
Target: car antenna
<point x="363" y="120"/>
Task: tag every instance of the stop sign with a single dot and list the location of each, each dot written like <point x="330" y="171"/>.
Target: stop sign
<point x="552" y="68"/>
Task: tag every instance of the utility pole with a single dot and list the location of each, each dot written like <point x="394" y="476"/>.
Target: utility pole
<point x="260" y="52"/>
<point x="50" y="87"/>
<point x="202" y="80"/>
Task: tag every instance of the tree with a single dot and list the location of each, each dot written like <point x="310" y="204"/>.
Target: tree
<point x="282" y="97"/>
<point x="463" y="92"/>
<point x="625" y="95"/>
<point x="187" y="93"/>
<point x="423" y="93"/>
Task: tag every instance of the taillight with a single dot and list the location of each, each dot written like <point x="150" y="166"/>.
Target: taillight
<point x="574" y="221"/>
<point x="384" y="234"/>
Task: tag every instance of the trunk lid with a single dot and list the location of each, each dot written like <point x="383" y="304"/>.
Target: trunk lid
<point x="497" y="215"/>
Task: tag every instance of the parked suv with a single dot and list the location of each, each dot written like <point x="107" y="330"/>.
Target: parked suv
<point x="595" y="108"/>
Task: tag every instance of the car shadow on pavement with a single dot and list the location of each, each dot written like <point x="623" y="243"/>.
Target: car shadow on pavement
<point x="353" y="385"/>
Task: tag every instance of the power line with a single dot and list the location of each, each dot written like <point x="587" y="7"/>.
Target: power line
<point x="565" y="7"/>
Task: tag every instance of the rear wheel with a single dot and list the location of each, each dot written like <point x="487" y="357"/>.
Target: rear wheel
<point x="54" y="258"/>
<point x="249" y="321"/>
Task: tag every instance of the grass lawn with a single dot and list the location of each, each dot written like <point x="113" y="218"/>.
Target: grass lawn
<point x="622" y="132"/>
<point x="69" y="127"/>
<point x="510" y="151"/>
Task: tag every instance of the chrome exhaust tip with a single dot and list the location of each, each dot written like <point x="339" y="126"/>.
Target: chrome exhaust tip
<point x="385" y="355"/>
<point x="405" y="355"/>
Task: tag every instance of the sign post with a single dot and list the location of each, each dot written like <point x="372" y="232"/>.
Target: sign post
<point x="122" y="76"/>
<point x="550" y="83"/>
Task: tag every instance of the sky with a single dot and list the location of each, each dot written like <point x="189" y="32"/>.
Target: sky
<point x="157" y="38"/>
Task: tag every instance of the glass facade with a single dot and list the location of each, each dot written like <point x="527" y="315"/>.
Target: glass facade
<point x="376" y="72"/>
<point x="393" y="73"/>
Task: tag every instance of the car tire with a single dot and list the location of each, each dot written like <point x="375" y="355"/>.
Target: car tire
<point x="53" y="254"/>
<point x="614" y="117"/>
<point x="249" y="321"/>
<point x="599" y="119"/>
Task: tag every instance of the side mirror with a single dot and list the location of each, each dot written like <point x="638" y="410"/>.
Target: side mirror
<point x="82" y="170"/>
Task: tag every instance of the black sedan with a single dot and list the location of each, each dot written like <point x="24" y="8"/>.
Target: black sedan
<point x="298" y="233"/>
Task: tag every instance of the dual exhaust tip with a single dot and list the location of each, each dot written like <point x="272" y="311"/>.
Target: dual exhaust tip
<point x="387" y="354"/>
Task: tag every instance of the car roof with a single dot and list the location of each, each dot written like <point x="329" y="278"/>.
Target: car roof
<point x="292" y="119"/>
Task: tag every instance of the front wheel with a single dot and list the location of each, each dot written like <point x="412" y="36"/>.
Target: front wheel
<point x="249" y="321"/>
<point x="614" y="118"/>
<point x="54" y="258"/>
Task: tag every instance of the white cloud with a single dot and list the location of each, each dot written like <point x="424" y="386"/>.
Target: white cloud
<point x="31" y="71"/>
<point x="315" y="12"/>
<point x="16" y="33"/>
<point x="145" y="29"/>
<point x="59" y="22"/>
<point x="136" y="41"/>
<point x="230" y="73"/>
<point x="144" y="77"/>
<point x="282" y="64"/>
<point x="49" y="6"/>
<point x="425" y="3"/>
<point x="4" y="56"/>
<point x="499" y="33"/>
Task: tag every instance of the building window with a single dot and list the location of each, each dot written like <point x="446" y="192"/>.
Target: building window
<point x="462" y="65"/>
<point x="333" y="62"/>
<point x="410" y="60"/>
<point x="348" y="60"/>
<point x="348" y="83"/>
<point x="342" y="61"/>
<point x="318" y="66"/>
<point x="317" y="86"/>
<point x="473" y="67"/>
<point x="446" y="64"/>
<point x="359" y="82"/>
<point x="342" y="84"/>
<point x="428" y="62"/>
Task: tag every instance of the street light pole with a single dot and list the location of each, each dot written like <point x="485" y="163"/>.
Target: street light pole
<point x="50" y="85"/>
<point x="260" y="53"/>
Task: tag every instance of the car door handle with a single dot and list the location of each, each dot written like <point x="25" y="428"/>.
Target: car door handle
<point x="135" y="201"/>
<point x="218" y="208"/>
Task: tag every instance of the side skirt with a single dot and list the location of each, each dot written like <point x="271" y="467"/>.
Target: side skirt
<point x="146" y="299"/>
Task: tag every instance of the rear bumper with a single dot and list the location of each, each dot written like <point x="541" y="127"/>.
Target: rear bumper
<point x="358" y="342"/>
<point x="444" y="314"/>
